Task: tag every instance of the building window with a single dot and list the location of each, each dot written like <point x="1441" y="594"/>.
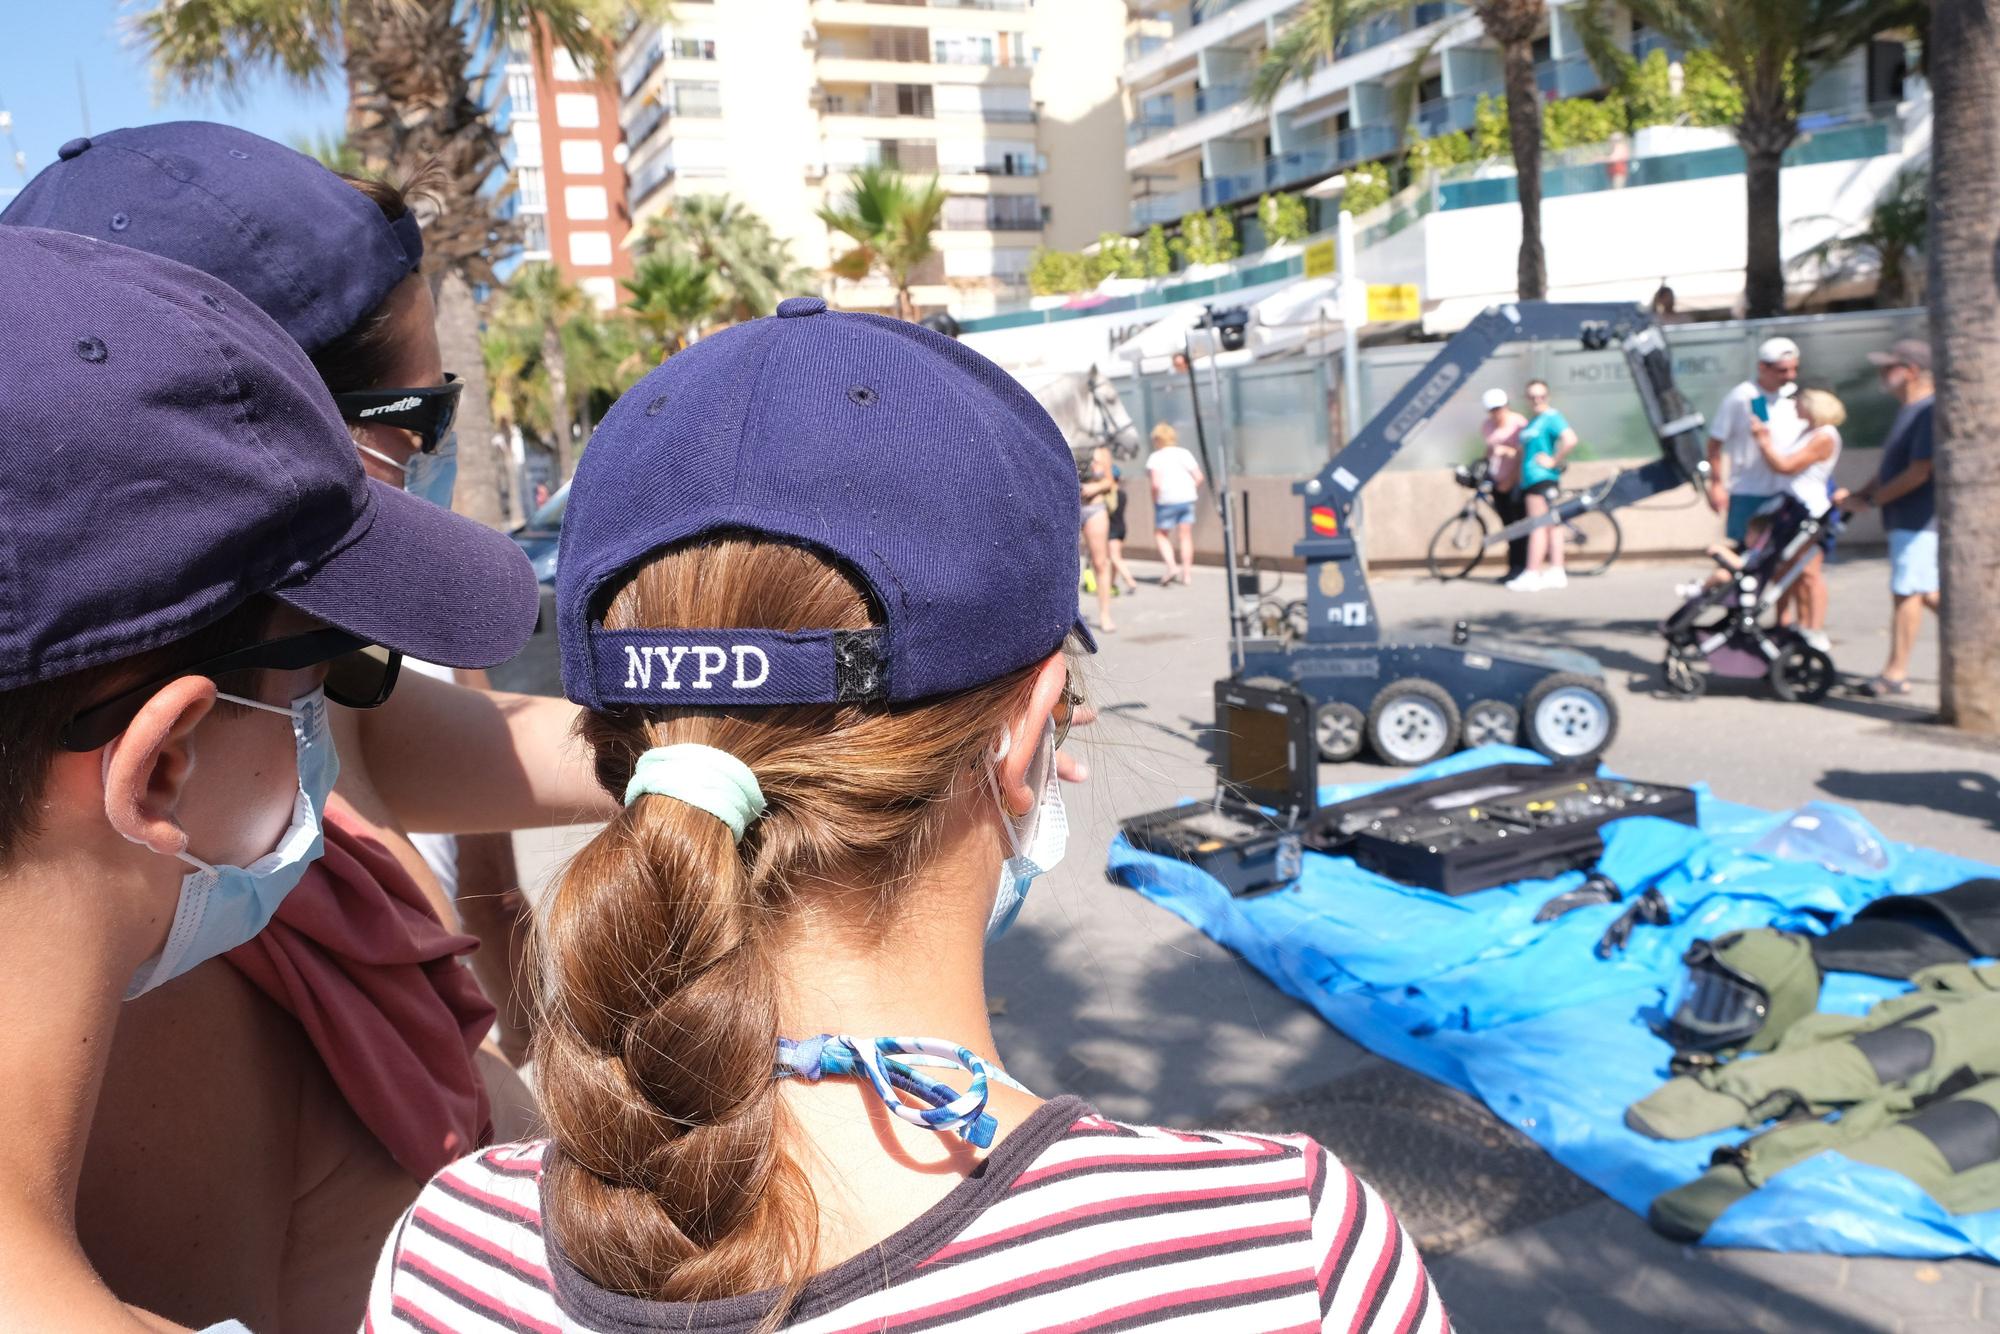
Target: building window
<point x="914" y="99"/>
<point x="586" y="202"/>
<point x="563" y="65"/>
<point x="963" y="50"/>
<point x="527" y="143"/>
<point x="693" y="48"/>
<point x="590" y="249"/>
<point x="697" y="99"/>
<point x="904" y="44"/>
<point x="582" y="157"/>
<point x="602" y="290"/>
<point x="535" y="235"/>
<point x="576" y="111"/>
<point x="521" y="92"/>
<point x="529" y="189"/>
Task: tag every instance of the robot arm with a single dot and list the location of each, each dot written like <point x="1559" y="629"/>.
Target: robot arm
<point x="1340" y="610"/>
<point x="1595" y="325"/>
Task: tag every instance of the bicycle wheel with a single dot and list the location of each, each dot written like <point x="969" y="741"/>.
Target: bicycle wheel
<point x="1458" y="544"/>
<point x="1591" y="541"/>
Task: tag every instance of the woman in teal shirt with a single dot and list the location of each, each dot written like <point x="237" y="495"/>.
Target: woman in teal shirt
<point x="1545" y="443"/>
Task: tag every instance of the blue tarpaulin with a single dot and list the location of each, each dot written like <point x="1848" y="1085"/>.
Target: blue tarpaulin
<point x="1474" y="993"/>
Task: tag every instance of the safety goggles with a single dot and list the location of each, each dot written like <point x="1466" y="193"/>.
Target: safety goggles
<point x="359" y="675"/>
<point x="1716" y="1006"/>
<point x="427" y="413"/>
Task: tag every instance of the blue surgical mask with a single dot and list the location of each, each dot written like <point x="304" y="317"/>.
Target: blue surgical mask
<point x="431" y="476"/>
<point x="222" y="907"/>
<point x="1038" y="838"/>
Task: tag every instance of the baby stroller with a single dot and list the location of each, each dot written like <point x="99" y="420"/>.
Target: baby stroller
<point x="1724" y="624"/>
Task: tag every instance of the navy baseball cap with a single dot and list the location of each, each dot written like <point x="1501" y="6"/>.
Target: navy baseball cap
<point x="919" y="466"/>
<point x="313" y="252"/>
<point x="167" y="453"/>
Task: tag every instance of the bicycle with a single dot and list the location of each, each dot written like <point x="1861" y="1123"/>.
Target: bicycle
<point x="1591" y="540"/>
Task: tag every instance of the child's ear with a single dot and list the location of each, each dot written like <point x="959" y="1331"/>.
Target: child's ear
<point x="1024" y="735"/>
<point x="147" y="767"/>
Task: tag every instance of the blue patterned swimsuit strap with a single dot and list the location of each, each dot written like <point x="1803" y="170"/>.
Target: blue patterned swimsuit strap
<point x="888" y="1064"/>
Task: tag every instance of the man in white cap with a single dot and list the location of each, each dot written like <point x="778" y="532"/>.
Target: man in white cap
<point x="1742" y="481"/>
<point x="1502" y="429"/>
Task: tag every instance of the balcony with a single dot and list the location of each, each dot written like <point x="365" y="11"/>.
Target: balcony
<point x="1572" y="76"/>
<point x="654" y="172"/>
<point x="1442" y="115"/>
<point x="1219" y="95"/>
<point x="1138" y="48"/>
<point x="991" y="213"/>
<point x="1347" y="149"/>
<point x="1139" y="131"/>
<point x="640" y="128"/>
<point x="1218" y="24"/>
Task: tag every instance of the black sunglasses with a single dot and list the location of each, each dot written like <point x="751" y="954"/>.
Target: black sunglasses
<point x="1066" y="707"/>
<point x="428" y="412"/>
<point x="359" y="675"/>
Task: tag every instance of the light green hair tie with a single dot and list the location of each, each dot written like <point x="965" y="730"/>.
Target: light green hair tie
<point x="702" y="776"/>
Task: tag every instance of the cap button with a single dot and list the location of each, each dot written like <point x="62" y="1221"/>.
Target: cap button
<point x="72" y="148"/>
<point x="794" y="306"/>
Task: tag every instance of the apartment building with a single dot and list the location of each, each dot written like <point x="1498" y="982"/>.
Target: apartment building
<point x="1195" y="140"/>
<point x="1014" y="105"/>
<point x="565" y="147"/>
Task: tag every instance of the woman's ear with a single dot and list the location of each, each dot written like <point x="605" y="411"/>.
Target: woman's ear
<point x="147" y="767"/>
<point x="1024" y="735"/>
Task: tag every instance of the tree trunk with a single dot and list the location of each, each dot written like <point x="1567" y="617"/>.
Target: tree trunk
<point x="1763" y="262"/>
<point x="1524" y="134"/>
<point x="1965" y="336"/>
<point x="485" y="489"/>
<point x="559" y="410"/>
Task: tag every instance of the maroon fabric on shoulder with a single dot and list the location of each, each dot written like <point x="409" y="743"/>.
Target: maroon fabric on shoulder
<point x="357" y="956"/>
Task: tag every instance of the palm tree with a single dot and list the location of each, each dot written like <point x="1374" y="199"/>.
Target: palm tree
<point x="539" y="299"/>
<point x="1892" y="240"/>
<point x="890" y="218"/>
<point x="1316" y="34"/>
<point x="414" y="98"/>
<point x="752" y="270"/>
<point x="1964" y="68"/>
<point x="1774" y="49"/>
<point x="672" y="297"/>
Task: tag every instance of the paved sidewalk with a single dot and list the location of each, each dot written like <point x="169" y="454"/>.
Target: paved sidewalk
<point x="1104" y="995"/>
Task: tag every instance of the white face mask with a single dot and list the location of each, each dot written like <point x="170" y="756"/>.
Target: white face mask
<point x="1038" y="838"/>
<point x="222" y="907"/>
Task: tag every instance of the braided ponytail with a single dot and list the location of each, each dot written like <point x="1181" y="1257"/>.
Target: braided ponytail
<point x="670" y="1174"/>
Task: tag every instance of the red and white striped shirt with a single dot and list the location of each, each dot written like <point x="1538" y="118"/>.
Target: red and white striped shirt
<point x="1077" y="1223"/>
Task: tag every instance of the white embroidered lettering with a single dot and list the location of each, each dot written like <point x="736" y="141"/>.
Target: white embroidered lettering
<point x="709" y="665"/>
<point x="638" y="668"/>
<point x="670" y="660"/>
<point x="744" y="652"/>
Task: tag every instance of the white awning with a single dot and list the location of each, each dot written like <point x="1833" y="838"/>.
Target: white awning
<point x="1152" y="348"/>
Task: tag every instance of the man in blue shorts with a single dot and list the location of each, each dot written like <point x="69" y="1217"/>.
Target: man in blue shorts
<point x="1904" y="491"/>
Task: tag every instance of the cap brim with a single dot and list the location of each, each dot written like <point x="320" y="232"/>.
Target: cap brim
<point x="1884" y="359"/>
<point x="1083" y="633"/>
<point x="436" y="585"/>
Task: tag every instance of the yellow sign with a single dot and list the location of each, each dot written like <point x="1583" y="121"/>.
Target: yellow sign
<point x="1319" y="259"/>
<point x="1391" y="302"/>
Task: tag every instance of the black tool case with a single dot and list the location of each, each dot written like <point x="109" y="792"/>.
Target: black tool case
<point x="1488" y="826"/>
<point x="1267" y="772"/>
<point x="1245" y="848"/>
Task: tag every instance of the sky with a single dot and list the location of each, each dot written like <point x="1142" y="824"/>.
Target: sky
<point x="43" y="43"/>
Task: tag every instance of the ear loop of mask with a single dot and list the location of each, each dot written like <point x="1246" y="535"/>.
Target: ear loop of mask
<point x="104" y="777"/>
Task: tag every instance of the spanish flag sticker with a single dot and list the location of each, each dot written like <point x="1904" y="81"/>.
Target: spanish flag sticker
<point x="1325" y="522"/>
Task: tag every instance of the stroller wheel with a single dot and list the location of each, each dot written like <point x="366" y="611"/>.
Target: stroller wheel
<point x="1802" y="674"/>
<point x="1683" y="677"/>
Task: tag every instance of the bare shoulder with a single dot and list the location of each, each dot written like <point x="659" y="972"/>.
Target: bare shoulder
<point x="226" y="1177"/>
<point x="190" y="1155"/>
